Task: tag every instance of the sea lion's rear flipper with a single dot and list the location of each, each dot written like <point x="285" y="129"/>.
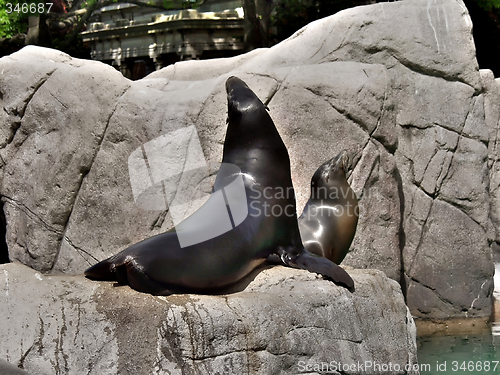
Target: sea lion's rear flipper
<point x="323" y="266"/>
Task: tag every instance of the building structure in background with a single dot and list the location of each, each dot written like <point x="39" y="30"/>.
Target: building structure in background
<point x="138" y="40"/>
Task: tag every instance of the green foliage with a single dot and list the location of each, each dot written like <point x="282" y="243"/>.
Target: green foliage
<point x="88" y="3"/>
<point x="488" y="4"/>
<point x="11" y="22"/>
<point x="14" y="15"/>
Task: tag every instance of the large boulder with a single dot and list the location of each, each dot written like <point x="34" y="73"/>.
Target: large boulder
<point x="285" y="321"/>
<point x="386" y="82"/>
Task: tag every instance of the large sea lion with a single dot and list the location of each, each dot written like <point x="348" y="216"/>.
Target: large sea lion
<point x="328" y="223"/>
<point x="160" y="266"/>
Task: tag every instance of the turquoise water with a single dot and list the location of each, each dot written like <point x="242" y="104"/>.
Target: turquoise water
<point x="471" y="354"/>
<point x="464" y="354"/>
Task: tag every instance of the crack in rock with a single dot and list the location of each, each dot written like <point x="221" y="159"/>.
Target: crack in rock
<point x="30" y="213"/>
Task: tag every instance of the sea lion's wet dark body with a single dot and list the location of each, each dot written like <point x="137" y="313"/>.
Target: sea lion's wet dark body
<point x="159" y="265"/>
<point x="328" y="222"/>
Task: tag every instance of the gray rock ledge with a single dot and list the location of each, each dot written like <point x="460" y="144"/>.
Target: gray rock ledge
<point x="283" y="321"/>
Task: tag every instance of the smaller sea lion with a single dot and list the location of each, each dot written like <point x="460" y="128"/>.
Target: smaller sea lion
<point x="328" y="223"/>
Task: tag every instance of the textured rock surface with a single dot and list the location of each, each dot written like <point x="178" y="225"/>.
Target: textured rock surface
<point x="492" y="116"/>
<point x="386" y="82"/>
<point x="71" y="325"/>
<point x="7" y="368"/>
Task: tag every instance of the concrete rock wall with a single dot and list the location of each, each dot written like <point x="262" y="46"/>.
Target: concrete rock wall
<point x="386" y="82"/>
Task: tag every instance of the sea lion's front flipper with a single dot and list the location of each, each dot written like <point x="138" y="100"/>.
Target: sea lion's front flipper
<point x="274" y="259"/>
<point x="126" y="271"/>
<point x="323" y="266"/>
<point x="101" y="271"/>
<point x="141" y="282"/>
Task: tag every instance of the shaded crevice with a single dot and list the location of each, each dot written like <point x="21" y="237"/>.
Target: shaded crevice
<point x="4" y="249"/>
<point x="401" y="234"/>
